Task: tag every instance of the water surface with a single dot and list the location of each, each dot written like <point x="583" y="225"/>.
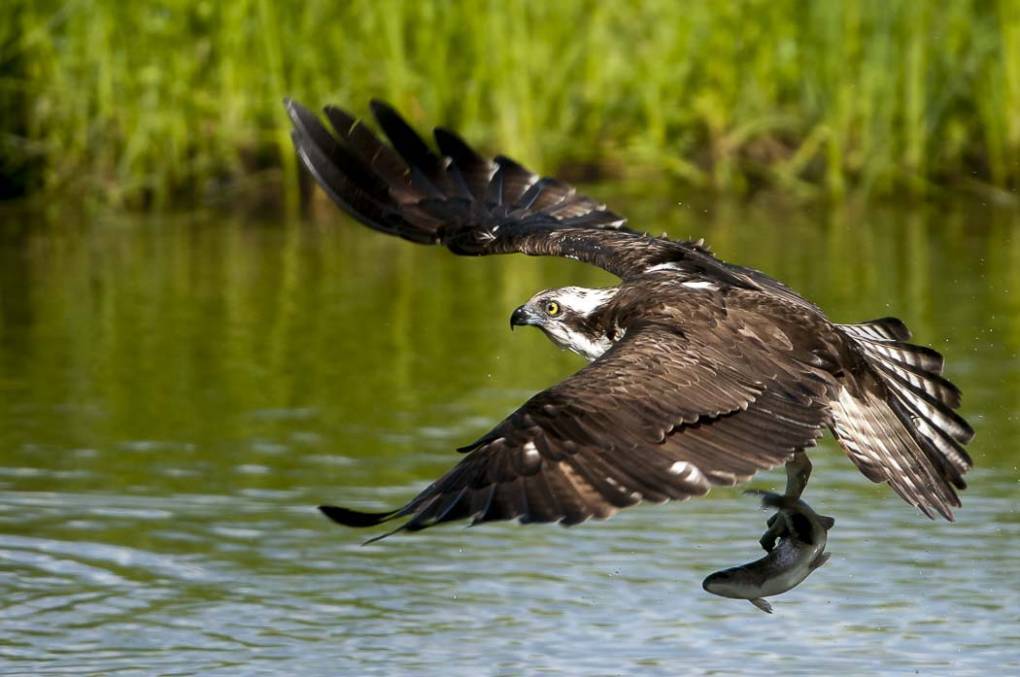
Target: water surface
<point x="178" y="393"/>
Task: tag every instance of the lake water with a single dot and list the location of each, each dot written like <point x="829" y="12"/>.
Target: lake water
<point x="177" y="394"/>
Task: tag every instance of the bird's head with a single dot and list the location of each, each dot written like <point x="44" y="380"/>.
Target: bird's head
<point x="569" y="317"/>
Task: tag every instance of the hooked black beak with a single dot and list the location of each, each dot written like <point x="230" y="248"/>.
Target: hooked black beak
<point x="521" y="316"/>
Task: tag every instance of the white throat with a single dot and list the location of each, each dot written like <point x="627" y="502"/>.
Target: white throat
<point x="588" y="348"/>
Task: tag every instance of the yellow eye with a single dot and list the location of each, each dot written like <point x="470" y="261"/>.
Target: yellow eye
<point x="552" y="308"/>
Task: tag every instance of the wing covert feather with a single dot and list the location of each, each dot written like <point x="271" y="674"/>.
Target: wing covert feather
<point x="474" y="206"/>
<point x="661" y="416"/>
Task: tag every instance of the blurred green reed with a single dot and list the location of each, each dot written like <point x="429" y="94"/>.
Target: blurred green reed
<point x="145" y="103"/>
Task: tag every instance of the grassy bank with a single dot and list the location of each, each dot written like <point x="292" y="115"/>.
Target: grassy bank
<point x="150" y="103"/>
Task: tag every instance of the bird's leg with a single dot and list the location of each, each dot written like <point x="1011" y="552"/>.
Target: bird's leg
<point x="777" y="529"/>
<point x="798" y="471"/>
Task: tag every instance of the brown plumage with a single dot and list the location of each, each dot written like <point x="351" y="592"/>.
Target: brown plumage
<point x="702" y="372"/>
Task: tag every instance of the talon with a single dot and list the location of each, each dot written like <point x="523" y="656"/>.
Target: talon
<point x="798" y="472"/>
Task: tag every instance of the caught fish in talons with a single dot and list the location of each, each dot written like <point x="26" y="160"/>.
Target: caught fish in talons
<point x="802" y="536"/>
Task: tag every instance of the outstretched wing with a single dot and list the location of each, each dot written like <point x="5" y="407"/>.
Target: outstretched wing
<point x="662" y="415"/>
<point x="472" y="205"/>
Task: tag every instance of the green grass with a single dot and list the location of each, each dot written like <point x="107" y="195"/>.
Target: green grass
<point x="153" y="103"/>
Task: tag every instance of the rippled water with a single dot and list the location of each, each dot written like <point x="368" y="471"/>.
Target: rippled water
<point x="177" y="394"/>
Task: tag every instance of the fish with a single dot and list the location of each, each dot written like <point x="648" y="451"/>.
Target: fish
<point x="802" y="535"/>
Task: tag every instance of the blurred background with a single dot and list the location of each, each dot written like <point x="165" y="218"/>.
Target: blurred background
<point x="149" y="104"/>
<point x="191" y="359"/>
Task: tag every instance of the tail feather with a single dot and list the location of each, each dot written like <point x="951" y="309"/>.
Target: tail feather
<point x="923" y="402"/>
<point x="941" y="449"/>
<point x="934" y="385"/>
<point x="884" y="447"/>
<point x="905" y="354"/>
<point x="933" y="410"/>
<point x="882" y="329"/>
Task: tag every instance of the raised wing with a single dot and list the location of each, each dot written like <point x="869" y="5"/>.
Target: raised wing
<point x="662" y="415"/>
<point x="472" y="205"/>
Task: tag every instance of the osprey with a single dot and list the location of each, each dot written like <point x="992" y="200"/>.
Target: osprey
<point x="700" y="372"/>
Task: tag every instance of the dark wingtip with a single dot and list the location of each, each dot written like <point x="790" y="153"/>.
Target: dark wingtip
<point x="453" y="146"/>
<point x="380" y="107"/>
<point x="292" y="106"/>
<point x="354" y="518"/>
<point x="895" y="325"/>
<point x="342" y="121"/>
<point x="300" y="116"/>
<point x="484" y="439"/>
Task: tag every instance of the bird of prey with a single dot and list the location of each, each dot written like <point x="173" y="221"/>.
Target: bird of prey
<point x="700" y="372"/>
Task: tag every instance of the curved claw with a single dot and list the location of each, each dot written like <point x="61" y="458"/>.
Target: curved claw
<point x="776" y="529"/>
